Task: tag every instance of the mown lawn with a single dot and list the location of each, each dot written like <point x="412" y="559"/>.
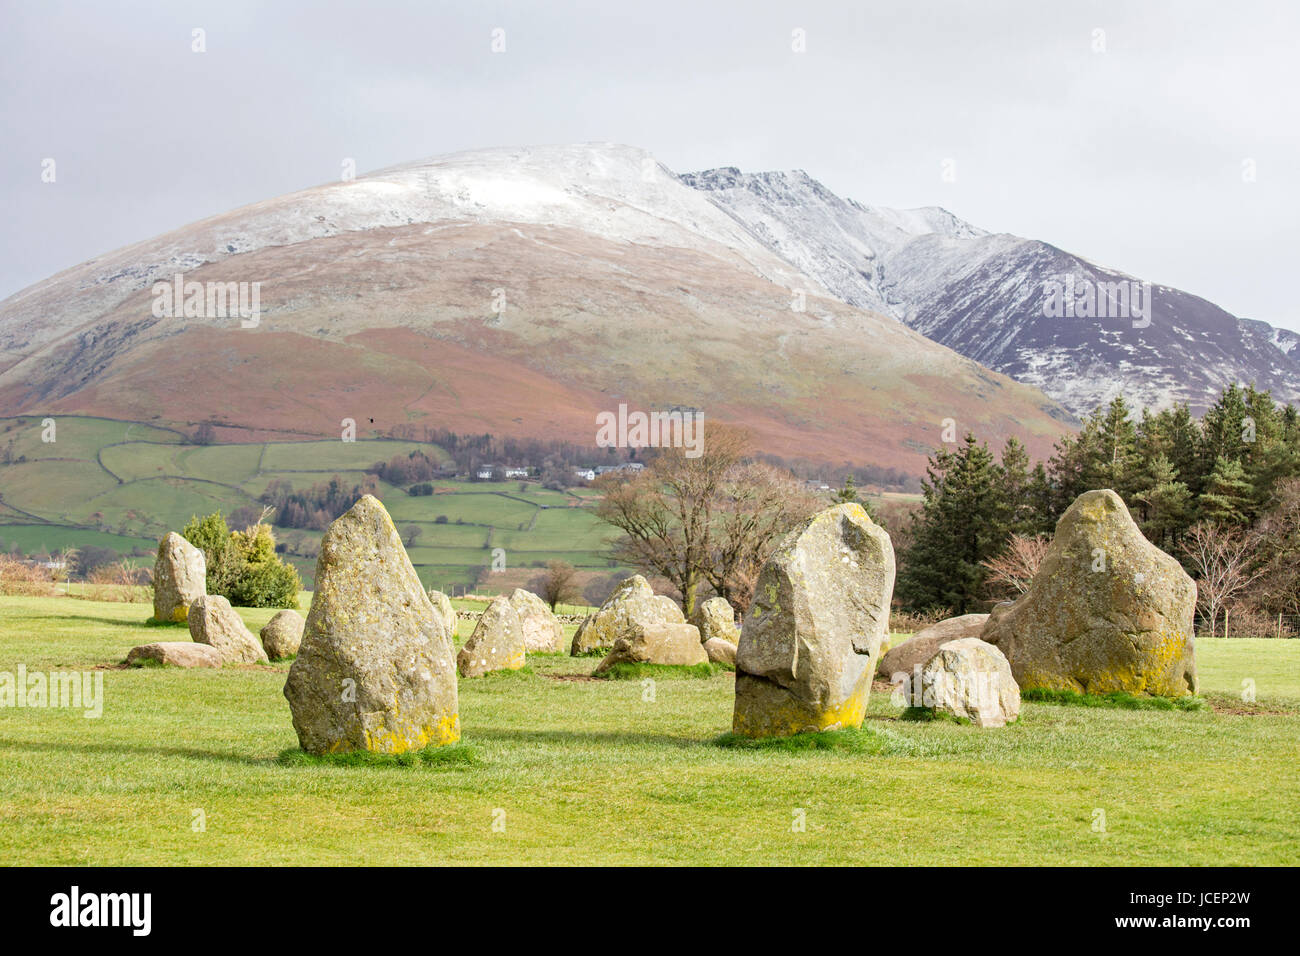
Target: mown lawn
<point x="581" y="771"/>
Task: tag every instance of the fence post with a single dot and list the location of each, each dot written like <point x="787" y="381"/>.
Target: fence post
<point x="1279" y="626"/>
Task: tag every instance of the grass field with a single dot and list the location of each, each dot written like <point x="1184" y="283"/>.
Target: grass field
<point x="583" y="771"/>
<point x="123" y="486"/>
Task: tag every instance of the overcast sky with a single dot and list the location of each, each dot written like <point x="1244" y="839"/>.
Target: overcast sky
<point x="1133" y="157"/>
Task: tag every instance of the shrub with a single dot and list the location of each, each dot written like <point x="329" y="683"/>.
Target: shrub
<point x="18" y="578"/>
<point x="244" y="567"/>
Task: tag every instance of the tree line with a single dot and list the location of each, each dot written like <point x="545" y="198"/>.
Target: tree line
<point x="1221" y="493"/>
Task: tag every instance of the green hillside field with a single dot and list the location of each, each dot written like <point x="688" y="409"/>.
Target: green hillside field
<point x="123" y="485"/>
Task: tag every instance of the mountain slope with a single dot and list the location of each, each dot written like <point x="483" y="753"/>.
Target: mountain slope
<point x="380" y="300"/>
<point x="983" y="296"/>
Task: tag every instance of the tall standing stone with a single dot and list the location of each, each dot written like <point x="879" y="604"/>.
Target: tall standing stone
<point x="542" y="632"/>
<point x="810" y="641"/>
<point x="497" y="643"/>
<point x="375" y="670"/>
<point x="179" y="578"/>
<point x="1107" y="610"/>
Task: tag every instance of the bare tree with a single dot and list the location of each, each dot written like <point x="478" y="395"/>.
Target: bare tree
<point x="757" y="505"/>
<point x="703" y="520"/>
<point x="1223" y="560"/>
<point x="1011" y="571"/>
<point x="557" y="585"/>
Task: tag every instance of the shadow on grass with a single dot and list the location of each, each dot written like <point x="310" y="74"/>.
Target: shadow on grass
<point x="114" y="621"/>
<point x="447" y="757"/>
<point x="138" y="750"/>
<point x="601" y="737"/>
<point x="627" y="670"/>
<point x="865" y="740"/>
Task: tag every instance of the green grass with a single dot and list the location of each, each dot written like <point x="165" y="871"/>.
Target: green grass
<point x="1120" y="699"/>
<point x="585" y="771"/>
<point x="628" y="670"/>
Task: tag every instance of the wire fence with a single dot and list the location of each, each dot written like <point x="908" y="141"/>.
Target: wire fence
<point x="1249" y="624"/>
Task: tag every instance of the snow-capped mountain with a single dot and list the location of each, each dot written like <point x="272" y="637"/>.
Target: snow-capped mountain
<point x="989" y="297"/>
<point x="514" y="291"/>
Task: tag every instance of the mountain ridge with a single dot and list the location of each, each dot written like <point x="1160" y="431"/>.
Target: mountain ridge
<point x="379" y="301"/>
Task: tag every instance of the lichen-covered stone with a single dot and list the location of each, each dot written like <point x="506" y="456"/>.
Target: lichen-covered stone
<point x="674" y="644"/>
<point x="497" y="643"/>
<point x="375" y="670"/>
<point x="214" y="622"/>
<point x="446" y="613"/>
<point x="175" y="654"/>
<point x="282" y="635"/>
<point x="716" y="619"/>
<point x="720" y="651"/>
<point x="906" y="657"/>
<point x="1107" y="610"/>
<point x="179" y="578"/>
<point x="632" y="603"/>
<point x="542" y="632"/>
<point x="809" y="645"/>
<point x="971" y="680"/>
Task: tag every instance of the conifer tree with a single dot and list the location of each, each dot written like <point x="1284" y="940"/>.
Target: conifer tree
<point x="962" y="522"/>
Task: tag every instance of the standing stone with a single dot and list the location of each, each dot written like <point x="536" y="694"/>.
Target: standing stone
<point x="906" y="657"/>
<point x="215" y="623"/>
<point x="971" y="680"/>
<point x="179" y="578"/>
<point x="809" y="645"/>
<point x="1107" y="610"/>
<point x="282" y="635"/>
<point x="716" y="619"/>
<point x="542" y="632"/>
<point x="633" y="602"/>
<point x="673" y="644"/>
<point x="375" y="669"/>
<point x="497" y="643"/>
<point x="446" y="613"/>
